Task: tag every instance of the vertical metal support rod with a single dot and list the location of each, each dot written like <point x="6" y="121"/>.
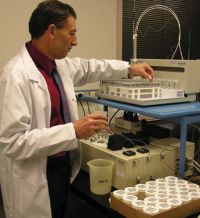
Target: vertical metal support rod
<point x="183" y="134"/>
<point x="134" y="47"/>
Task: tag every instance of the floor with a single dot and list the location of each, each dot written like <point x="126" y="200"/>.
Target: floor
<point x="2" y="215"/>
<point x="79" y="209"/>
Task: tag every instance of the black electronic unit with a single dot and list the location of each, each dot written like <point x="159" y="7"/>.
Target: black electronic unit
<point x="156" y="131"/>
<point x="129" y="153"/>
<point x="143" y="150"/>
<point x="115" y="142"/>
<point x="136" y="139"/>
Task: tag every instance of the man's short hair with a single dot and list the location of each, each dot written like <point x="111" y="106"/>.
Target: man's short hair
<point x="49" y="12"/>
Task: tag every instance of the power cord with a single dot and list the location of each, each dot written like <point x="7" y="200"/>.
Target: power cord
<point x="78" y="98"/>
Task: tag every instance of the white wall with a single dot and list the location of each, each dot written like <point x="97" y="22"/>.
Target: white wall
<point x="14" y="26"/>
<point x="97" y="26"/>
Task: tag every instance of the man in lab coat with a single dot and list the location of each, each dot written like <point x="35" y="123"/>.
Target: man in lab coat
<point x="39" y="150"/>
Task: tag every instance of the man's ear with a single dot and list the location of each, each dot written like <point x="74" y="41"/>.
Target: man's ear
<point x="51" y="31"/>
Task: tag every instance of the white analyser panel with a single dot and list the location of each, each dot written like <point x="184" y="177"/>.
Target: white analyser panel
<point x="160" y="162"/>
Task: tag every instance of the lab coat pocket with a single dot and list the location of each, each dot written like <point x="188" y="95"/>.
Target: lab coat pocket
<point x="73" y="107"/>
<point x="34" y="200"/>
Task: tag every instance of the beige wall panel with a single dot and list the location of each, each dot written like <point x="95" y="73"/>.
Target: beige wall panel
<point x="97" y="26"/>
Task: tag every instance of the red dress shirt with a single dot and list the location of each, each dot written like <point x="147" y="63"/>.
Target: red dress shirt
<point x="46" y="66"/>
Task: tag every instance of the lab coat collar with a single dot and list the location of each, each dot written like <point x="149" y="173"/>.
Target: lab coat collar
<point x="31" y="69"/>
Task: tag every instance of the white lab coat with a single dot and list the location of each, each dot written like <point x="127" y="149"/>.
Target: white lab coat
<point x="25" y="137"/>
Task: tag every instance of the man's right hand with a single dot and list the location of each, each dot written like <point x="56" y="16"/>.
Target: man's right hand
<point x="90" y="124"/>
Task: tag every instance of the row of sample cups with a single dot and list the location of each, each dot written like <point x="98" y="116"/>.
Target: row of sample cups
<point x="159" y="195"/>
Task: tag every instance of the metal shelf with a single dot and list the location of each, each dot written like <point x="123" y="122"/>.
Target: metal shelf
<point x="182" y="113"/>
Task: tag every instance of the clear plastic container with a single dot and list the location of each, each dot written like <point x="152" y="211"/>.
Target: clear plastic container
<point x="141" y="187"/>
<point x="150" y="192"/>
<point x="174" y="202"/>
<point x="162" y="197"/>
<point x="138" y="204"/>
<point x="151" y="184"/>
<point x="193" y="187"/>
<point x="171" y="179"/>
<point x="153" y="200"/>
<point x="128" y="199"/>
<point x="163" y="206"/>
<point x="119" y="193"/>
<point x="131" y="190"/>
<point x="161" y="181"/>
<point x="100" y="176"/>
<point x="185" y="198"/>
<point x="151" y="210"/>
<point x="194" y="195"/>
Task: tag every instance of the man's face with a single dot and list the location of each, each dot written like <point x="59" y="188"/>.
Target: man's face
<point x="65" y="38"/>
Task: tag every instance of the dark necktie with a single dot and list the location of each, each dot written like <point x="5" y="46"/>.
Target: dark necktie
<point x="63" y="96"/>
